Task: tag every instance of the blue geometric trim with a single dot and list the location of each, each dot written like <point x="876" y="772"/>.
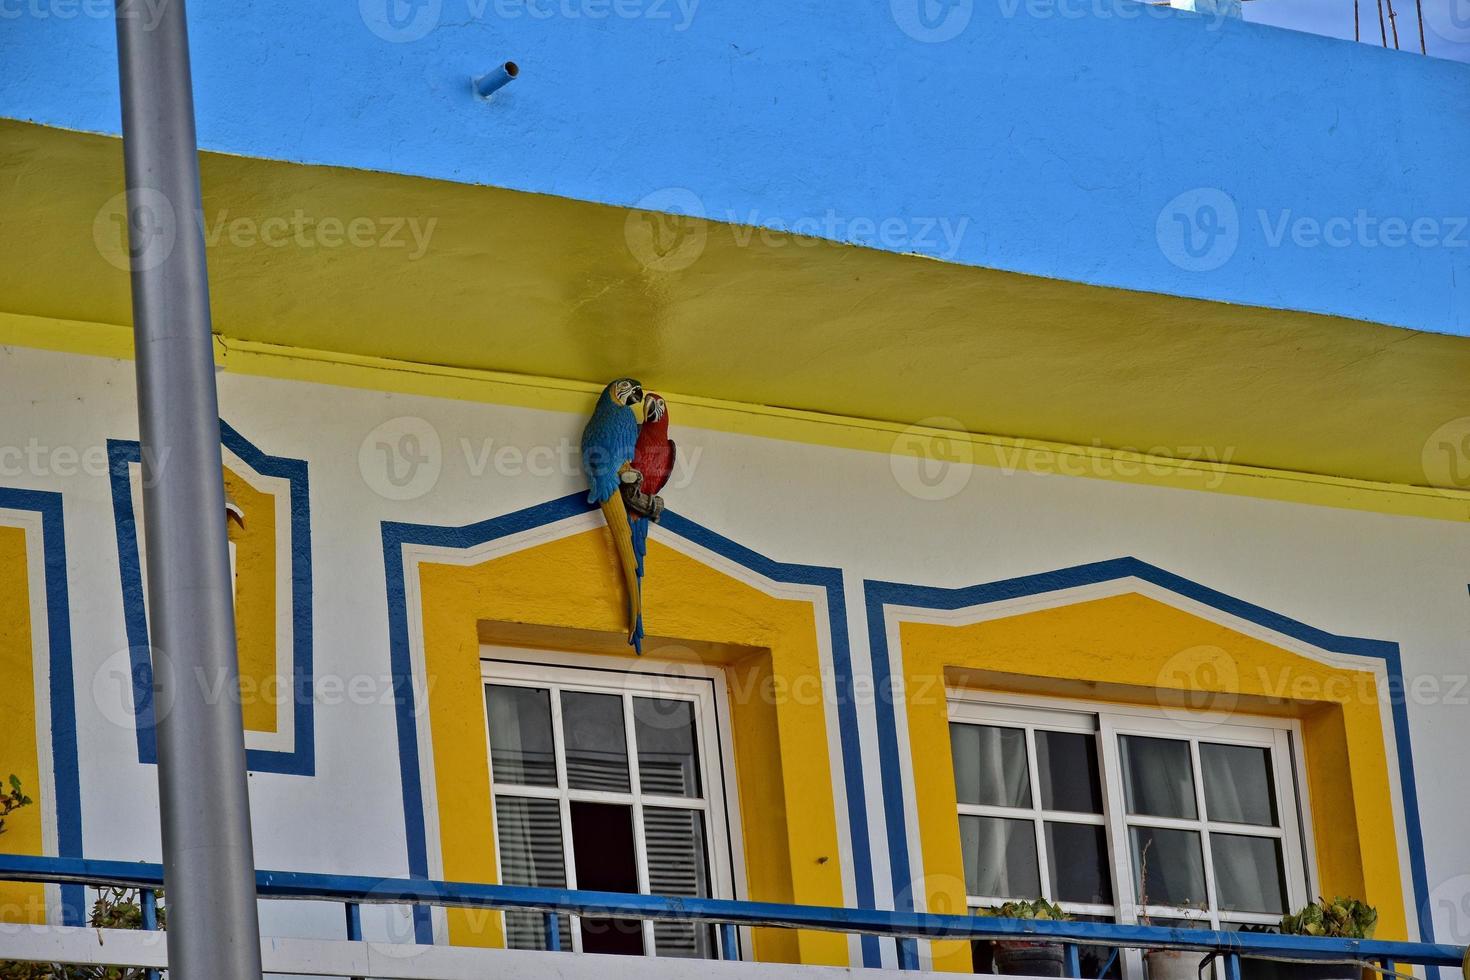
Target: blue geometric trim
<point x="880" y="594"/>
<point x="396" y="535"/>
<point x="301" y="760"/>
<point x="66" y="774"/>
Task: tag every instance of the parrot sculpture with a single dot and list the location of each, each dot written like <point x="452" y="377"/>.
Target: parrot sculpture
<point x="653" y="461"/>
<point x="608" y="444"/>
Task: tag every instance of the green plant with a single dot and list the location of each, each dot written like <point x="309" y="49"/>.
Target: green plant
<point x="115" y="908"/>
<point x="1038" y="908"/>
<point x="12" y="801"/>
<point x="1341" y="918"/>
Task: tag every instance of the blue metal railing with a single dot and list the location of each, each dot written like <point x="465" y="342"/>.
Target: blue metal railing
<point x="904" y="927"/>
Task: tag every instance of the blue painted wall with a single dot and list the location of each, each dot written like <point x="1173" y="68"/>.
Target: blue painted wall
<point x="1058" y="134"/>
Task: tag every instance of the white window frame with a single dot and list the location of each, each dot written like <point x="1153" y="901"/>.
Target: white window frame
<point x="701" y="685"/>
<point x="1280" y="736"/>
<point x="963" y="711"/>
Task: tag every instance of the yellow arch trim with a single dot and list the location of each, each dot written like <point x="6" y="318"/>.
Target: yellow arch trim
<point x="255" y="604"/>
<point x="19" y="751"/>
<point x="1135" y="649"/>
<point x="566" y="594"/>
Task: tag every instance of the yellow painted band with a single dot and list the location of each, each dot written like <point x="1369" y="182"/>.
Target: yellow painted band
<point x="19" y="752"/>
<point x="1134" y="649"/>
<point x="567" y="594"/>
<point x="1011" y="455"/>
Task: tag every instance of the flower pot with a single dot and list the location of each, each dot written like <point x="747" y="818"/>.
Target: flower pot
<point x="1271" y="970"/>
<point x="1173" y="964"/>
<point x="1026" y="959"/>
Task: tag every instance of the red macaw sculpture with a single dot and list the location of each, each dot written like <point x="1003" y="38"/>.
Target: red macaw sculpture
<point x="653" y="462"/>
<point x="653" y="456"/>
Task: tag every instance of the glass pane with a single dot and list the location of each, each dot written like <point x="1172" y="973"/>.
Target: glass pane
<point x="521" y="750"/>
<point x="990" y="765"/>
<point x="1168" y="867"/>
<point x="596" y="746"/>
<point x="530" y="854"/>
<point x="1248" y="873"/>
<point x="1067" y="766"/>
<point x="1158" y="778"/>
<point x="1238" y="784"/>
<point x="677" y="865"/>
<point x="1000" y="857"/>
<point x="605" y="859"/>
<point x="1077" y="860"/>
<point x="668" y="751"/>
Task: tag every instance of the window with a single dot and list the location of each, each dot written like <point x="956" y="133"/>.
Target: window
<point x="611" y="781"/>
<point x="1124" y="814"/>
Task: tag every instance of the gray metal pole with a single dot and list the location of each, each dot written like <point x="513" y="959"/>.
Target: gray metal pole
<point x="209" y="863"/>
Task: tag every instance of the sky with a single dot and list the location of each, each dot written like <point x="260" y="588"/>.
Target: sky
<point x="1446" y="22"/>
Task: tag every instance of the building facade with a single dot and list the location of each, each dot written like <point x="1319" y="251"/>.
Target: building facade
<point x="1059" y="511"/>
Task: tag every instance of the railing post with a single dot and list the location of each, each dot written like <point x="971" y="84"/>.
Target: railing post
<point x="353" y="913"/>
<point x="553" y="932"/>
<point x="728" y="948"/>
<point x="1232" y="966"/>
<point x="908" y="953"/>
<point x="148" y="899"/>
<point x="1073" y="966"/>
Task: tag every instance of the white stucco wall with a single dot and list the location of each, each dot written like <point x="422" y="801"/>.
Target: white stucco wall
<point x="1348" y="572"/>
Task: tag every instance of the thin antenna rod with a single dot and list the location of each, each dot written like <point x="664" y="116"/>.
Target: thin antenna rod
<point x="1382" y="31"/>
<point x="1419" y="7"/>
<point x="1357" y="33"/>
<point x="1393" y="22"/>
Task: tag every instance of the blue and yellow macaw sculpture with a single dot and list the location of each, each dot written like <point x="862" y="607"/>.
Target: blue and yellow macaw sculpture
<point x="608" y="443"/>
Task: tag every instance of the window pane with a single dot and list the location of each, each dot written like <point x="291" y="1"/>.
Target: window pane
<point x="1158" y="778"/>
<point x="1067" y="765"/>
<point x="605" y="859"/>
<point x="677" y="865"/>
<point x="1000" y="857"/>
<point x="521" y="750"/>
<point x="1168" y="867"/>
<point x="668" y="751"/>
<point x="530" y="854"/>
<point x="1238" y="784"/>
<point x="1077" y="859"/>
<point x="596" y="746"/>
<point x="1248" y="873"/>
<point x="990" y="765"/>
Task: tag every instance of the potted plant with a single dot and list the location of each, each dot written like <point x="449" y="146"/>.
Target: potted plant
<point x="1164" y="964"/>
<point x="1341" y="918"/>
<point x="1029" y="957"/>
<point x="1172" y="964"/>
